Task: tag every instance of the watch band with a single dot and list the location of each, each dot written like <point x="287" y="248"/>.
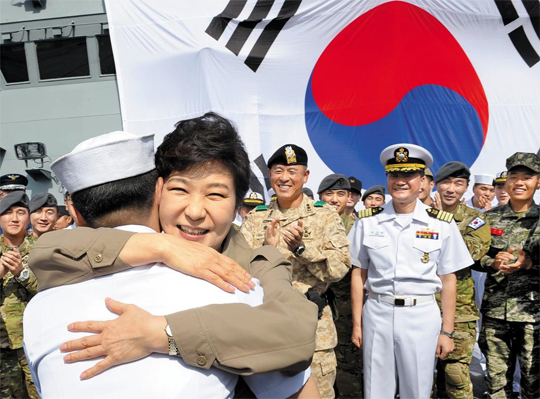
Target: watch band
<point x="23" y="276"/>
<point x="448" y="334"/>
<point x="173" y="348"/>
<point x="299" y="251"/>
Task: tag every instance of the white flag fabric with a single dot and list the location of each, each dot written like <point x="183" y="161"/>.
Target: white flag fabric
<point x="342" y="79"/>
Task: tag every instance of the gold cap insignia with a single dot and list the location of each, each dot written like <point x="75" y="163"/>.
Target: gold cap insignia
<point x="402" y="155"/>
<point x="13" y="177"/>
<point x="290" y="154"/>
<point x="253" y="195"/>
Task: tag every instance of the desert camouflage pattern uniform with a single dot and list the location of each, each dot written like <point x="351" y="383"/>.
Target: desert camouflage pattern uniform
<point x="453" y="377"/>
<point x="511" y="306"/>
<point x="325" y="260"/>
<point x="15" y="378"/>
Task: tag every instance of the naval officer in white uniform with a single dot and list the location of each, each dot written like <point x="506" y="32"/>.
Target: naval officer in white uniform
<point x="403" y="253"/>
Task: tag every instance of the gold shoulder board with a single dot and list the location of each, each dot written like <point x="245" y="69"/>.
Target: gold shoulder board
<point x="441" y="215"/>
<point x="364" y="213"/>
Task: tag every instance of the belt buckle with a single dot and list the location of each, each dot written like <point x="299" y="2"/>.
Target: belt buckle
<point x="399" y="301"/>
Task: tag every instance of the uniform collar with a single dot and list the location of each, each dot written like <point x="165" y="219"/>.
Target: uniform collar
<point x="25" y="246"/>
<point x="306" y="208"/>
<point x="533" y="211"/>
<point x="419" y="213"/>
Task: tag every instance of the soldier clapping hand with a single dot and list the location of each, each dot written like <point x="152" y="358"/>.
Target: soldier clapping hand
<point x="12" y="261"/>
<point x="293" y="234"/>
<point x="272" y="233"/>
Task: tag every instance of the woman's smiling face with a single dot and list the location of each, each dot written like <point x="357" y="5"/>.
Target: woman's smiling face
<point x="199" y="204"/>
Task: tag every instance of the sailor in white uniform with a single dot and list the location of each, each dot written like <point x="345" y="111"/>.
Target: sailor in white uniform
<point x="484" y="193"/>
<point x="403" y="253"/>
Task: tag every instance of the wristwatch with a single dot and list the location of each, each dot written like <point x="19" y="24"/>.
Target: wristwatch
<point x="299" y="251"/>
<point x="173" y="349"/>
<point x="25" y="275"/>
<point x="448" y="334"/>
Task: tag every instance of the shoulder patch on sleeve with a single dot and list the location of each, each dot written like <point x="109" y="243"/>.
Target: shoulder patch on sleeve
<point x="476" y="223"/>
<point x="364" y="213"/>
<point x="261" y="208"/>
<point x="319" y="204"/>
<point x="441" y="215"/>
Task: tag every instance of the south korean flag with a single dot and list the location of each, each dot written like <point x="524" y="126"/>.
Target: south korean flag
<point x="341" y="79"/>
<point x="477" y="223"/>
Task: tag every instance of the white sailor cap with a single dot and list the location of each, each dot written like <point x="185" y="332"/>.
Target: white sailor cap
<point x="405" y="157"/>
<point x="104" y="159"/>
<point x="484" y="179"/>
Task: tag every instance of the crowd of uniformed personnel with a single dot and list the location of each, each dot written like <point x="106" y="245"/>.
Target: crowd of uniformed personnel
<point x="502" y="241"/>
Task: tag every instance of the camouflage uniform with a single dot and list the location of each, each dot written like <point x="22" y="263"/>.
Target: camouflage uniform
<point x="349" y="357"/>
<point x="532" y="245"/>
<point x="453" y="372"/>
<point x="348" y="222"/>
<point x="325" y="260"/>
<point x="16" y="380"/>
<point x="349" y="379"/>
<point x="511" y="307"/>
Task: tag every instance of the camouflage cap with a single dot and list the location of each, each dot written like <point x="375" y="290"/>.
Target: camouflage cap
<point x="526" y="159"/>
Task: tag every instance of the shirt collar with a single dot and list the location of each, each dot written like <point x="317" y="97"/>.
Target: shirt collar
<point x="419" y="213"/>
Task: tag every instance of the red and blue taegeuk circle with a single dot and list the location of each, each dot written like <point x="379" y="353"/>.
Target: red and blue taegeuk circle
<point x="395" y="74"/>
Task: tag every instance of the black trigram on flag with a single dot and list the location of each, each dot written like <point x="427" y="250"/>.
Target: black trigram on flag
<point x="254" y="183"/>
<point x="245" y="28"/>
<point x="518" y="36"/>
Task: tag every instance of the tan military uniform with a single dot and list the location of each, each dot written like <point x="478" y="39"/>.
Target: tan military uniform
<point x="281" y="333"/>
<point x="348" y="221"/>
<point x="454" y="375"/>
<point x="325" y="260"/>
<point x="16" y="380"/>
